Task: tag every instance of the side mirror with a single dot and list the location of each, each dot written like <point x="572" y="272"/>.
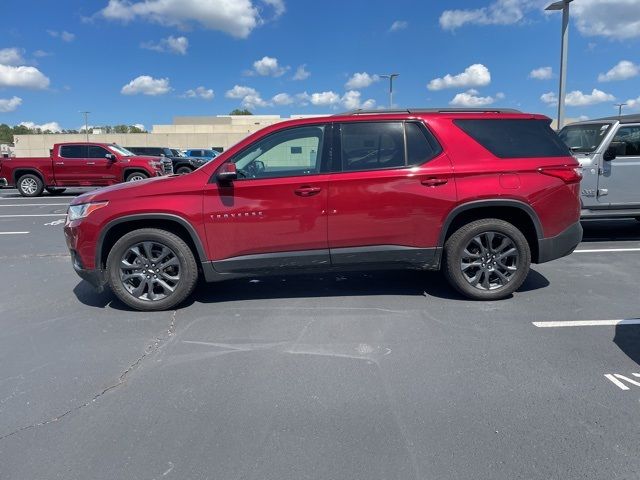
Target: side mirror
<point x="110" y="156"/>
<point x="609" y="154"/>
<point x="227" y="173"/>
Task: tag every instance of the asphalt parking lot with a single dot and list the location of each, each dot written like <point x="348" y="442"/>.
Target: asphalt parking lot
<point x="358" y="376"/>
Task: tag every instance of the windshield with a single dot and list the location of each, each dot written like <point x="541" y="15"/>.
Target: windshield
<point x="584" y="138"/>
<point x="121" y="150"/>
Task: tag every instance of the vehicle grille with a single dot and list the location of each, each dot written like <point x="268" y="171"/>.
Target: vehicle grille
<point x="167" y="167"/>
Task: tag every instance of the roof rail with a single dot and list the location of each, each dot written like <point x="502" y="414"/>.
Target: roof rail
<point x="429" y="110"/>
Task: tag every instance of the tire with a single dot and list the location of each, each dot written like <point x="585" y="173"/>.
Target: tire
<point x="140" y="291"/>
<point x="30" y="185"/>
<point x="55" y="191"/>
<point x="183" y="170"/>
<point x="136" y="177"/>
<point x="482" y="268"/>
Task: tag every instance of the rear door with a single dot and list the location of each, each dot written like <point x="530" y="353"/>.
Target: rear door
<point x="391" y="190"/>
<point x="70" y="164"/>
<point x="620" y="177"/>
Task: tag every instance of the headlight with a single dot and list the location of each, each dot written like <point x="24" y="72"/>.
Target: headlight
<point x="77" y="212"/>
<point x="155" y="164"/>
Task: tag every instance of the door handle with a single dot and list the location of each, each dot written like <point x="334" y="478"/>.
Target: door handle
<point x="307" y="191"/>
<point x="434" y="182"/>
<point x="91" y="163"/>
<point x="59" y="163"/>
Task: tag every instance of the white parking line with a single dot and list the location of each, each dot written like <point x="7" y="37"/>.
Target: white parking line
<point x="36" y="215"/>
<point x="587" y="323"/>
<point x="33" y="204"/>
<point x="13" y="233"/>
<point x="601" y="250"/>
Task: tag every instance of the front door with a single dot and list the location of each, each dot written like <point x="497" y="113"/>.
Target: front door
<point x="620" y="177"/>
<point x="99" y="169"/>
<point x="389" y="200"/>
<point x="274" y="214"/>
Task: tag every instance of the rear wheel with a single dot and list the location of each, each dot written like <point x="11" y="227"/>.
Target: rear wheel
<point x="55" y="191"/>
<point x="487" y="259"/>
<point x="183" y="170"/>
<point x="151" y="269"/>
<point x="136" y="177"/>
<point x="30" y="185"/>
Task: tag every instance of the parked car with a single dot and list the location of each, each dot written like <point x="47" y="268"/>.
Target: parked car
<point x="205" y="154"/>
<point x="78" y="164"/>
<point x="608" y="150"/>
<point x="478" y="194"/>
<point x="177" y="153"/>
<point x="180" y="164"/>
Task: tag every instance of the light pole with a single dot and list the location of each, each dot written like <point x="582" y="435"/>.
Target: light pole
<point x="619" y="105"/>
<point x="390" y="76"/>
<point x="564" y="6"/>
<point x="86" y="124"/>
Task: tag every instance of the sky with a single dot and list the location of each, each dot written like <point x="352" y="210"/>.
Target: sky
<point x="144" y="62"/>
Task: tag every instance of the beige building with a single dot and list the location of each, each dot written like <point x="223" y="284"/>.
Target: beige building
<point x="220" y="131"/>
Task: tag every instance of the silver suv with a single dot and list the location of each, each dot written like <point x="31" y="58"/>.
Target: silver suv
<point x="608" y="150"/>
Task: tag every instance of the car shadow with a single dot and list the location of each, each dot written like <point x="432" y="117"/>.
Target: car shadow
<point x="627" y="338"/>
<point x="331" y="284"/>
<point x="610" y="230"/>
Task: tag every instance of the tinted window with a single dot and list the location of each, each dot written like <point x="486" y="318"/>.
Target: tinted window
<point x="272" y="157"/>
<point x="627" y="142"/>
<point x="515" y="138"/>
<point x="421" y="146"/>
<point x="97" y="152"/>
<point x="372" y="145"/>
<point x="73" y="151"/>
<point x="584" y="138"/>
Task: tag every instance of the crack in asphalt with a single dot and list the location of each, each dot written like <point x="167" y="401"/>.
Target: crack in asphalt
<point x="153" y="347"/>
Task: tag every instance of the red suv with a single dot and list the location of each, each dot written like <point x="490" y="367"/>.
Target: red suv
<point x="480" y="194"/>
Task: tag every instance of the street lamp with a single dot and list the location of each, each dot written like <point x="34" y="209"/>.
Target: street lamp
<point x="86" y="124"/>
<point x="620" y="105"/>
<point x="390" y="76"/>
<point x="564" y="6"/>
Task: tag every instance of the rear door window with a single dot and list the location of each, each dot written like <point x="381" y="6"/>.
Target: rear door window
<point x="515" y="138"/>
<point x="73" y="151"/>
<point x="627" y="141"/>
<point x="372" y="146"/>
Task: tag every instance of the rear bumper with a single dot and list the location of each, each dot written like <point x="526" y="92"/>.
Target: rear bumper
<point x="561" y="245"/>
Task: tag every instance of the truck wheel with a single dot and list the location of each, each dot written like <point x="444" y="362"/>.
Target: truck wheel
<point x="55" y="191"/>
<point x="30" y="185"/>
<point x="136" y="177"/>
<point x="487" y="259"/>
<point x="183" y="170"/>
<point x="151" y="269"/>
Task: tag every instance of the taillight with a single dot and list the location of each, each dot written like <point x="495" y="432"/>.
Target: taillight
<point x="566" y="173"/>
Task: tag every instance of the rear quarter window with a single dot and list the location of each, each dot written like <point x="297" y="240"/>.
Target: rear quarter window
<point x="519" y="138"/>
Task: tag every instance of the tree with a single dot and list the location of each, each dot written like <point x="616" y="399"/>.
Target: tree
<point x="120" y="129"/>
<point x="237" y="111"/>
<point x="6" y="134"/>
<point x="134" y="129"/>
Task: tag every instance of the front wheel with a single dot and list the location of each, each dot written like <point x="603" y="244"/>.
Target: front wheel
<point x="30" y="185"/>
<point x="183" y="170"/>
<point x="151" y="269"/>
<point x="487" y="259"/>
<point x="136" y="177"/>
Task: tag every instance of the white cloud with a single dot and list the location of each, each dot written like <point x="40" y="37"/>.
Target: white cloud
<point x="622" y="71"/>
<point x="618" y="19"/>
<point x="139" y="125"/>
<point x="63" y="35"/>
<point x="324" y="98"/>
<point x="235" y="17"/>
<point x="11" y="56"/>
<point x="41" y="53"/>
<point x="361" y="80"/>
<point x="542" y="73"/>
<point x="303" y="99"/>
<point x="268" y="67"/>
<point x="579" y="99"/>
<point x="9" y="104"/>
<point x="633" y="103"/>
<point x="398" y="25"/>
<point x="171" y="44"/>
<point x="51" y="126"/>
<point x="200" y="92"/>
<point x="351" y="101"/>
<point x="250" y="97"/>
<point x="476" y="75"/>
<point x="500" y="12"/>
<point x="25" y="77"/>
<point x="146" y="85"/>
<point x="282" y="99"/>
<point x="500" y="96"/>
<point x="301" y="73"/>
<point x="471" y="98"/>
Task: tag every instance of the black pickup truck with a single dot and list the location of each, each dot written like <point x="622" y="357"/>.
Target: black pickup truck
<point x="181" y="165"/>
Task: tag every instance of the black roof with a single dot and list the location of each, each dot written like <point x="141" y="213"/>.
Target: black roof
<point x="634" y="118"/>
<point x="430" y="110"/>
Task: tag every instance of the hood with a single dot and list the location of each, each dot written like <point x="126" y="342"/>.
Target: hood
<point x="124" y="190"/>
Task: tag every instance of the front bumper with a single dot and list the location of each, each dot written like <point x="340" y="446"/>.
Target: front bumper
<point x="3" y="182"/>
<point x="561" y="245"/>
<point x="97" y="278"/>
